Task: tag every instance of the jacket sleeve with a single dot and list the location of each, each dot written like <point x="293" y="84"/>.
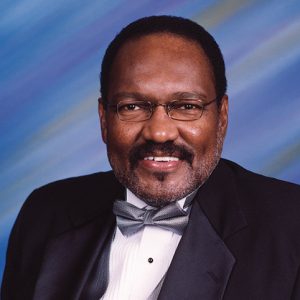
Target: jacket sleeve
<point x="13" y="268"/>
<point x="25" y="248"/>
<point x="296" y="290"/>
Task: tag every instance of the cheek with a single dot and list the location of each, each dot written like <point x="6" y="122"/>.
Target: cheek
<point x="200" y="136"/>
<point x="121" y="136"/>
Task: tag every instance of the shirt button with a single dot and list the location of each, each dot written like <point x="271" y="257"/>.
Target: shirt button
<point x="150" y="260"/>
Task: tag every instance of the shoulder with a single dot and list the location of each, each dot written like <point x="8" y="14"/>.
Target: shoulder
<point x="72" y="189"/>
<point x="259" y="186"/>
<point x="83" y="183"/>
<point x="60" y="203"/>
<point x="265" y="200"/>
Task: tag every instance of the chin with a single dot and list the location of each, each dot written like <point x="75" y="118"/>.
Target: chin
<point x="161" y="189"/>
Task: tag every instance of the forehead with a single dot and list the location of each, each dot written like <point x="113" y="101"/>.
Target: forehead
<point x="160" y="57"/>
<point x="170" y="44"/>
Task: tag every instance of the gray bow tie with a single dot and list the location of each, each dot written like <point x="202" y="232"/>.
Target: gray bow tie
<point x="130" y="219"/>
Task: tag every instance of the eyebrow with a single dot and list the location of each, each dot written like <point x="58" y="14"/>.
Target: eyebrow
<point x="190" y="95"/>
<point x="174" y="96"/>
<point x="128" y="95"/>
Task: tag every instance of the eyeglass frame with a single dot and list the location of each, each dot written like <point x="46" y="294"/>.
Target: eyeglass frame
<point x="167" y="107"/>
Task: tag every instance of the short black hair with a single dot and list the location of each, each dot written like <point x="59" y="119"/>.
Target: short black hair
<point x="166" y="24"/>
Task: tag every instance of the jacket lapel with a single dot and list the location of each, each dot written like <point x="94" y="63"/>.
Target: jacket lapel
<point x="63" y="274"/>
<point x="72" y="253"/>
<point x="202" y="264"/>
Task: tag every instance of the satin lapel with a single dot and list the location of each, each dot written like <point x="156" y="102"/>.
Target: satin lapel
<point x="63" y="274"/>
<point x="202" y="263"/>
<point x="87" y="227"/>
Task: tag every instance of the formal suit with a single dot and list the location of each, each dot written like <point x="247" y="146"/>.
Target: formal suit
<point x="242" y="240"/>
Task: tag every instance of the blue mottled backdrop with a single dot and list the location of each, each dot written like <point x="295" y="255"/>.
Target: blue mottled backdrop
<point x="50" y="59"/>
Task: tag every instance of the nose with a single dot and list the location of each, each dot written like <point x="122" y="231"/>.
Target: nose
<point x="160" y="128"/>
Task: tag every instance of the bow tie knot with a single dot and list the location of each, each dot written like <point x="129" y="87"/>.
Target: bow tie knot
<point x="148" y="217"/>
<point x="131" y="219"/>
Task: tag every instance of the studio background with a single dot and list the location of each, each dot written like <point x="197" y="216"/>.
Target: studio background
<point x="50" y="60"/>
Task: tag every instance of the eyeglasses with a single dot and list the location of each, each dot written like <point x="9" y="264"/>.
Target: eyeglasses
<point x="182" y="110"/>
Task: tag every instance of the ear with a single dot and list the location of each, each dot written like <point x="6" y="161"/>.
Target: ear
<point x="223" y="115"/>
<point x="103" y="122"/>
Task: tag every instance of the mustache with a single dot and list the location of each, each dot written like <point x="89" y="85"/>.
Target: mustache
<point x="165" y="149"/>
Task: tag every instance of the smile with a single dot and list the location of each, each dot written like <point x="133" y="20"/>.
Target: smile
<point x="160" y="163"/>
<point x="162" y="158"/>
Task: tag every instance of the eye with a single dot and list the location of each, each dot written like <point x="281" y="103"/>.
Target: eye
<point x="132" y="106"/>
<point x="129" y="106"/>
<point x="187" y="105"/>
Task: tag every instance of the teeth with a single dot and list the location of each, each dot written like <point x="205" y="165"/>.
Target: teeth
<point x="162" y="158"/>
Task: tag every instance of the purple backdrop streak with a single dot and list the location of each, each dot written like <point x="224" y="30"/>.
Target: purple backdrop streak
<point x="50" y="60"/>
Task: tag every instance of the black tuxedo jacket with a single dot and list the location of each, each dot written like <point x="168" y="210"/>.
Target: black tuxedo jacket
<point x="242" y="241"/>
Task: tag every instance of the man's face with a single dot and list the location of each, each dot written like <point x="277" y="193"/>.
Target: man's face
<point x="161" y="159"/>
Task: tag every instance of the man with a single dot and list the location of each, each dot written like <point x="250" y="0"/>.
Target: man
<point x="192" y="226"/>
